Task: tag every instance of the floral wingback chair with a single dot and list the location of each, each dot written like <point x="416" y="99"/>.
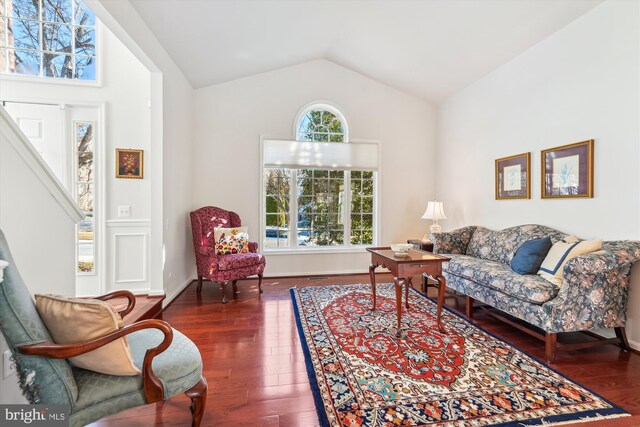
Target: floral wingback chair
<point x="222" y="268"/>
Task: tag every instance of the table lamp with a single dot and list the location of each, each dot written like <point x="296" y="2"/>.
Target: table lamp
<point x="434" y="211"/>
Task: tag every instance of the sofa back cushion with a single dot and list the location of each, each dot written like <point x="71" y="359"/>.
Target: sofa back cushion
<point x="500" y="245"/>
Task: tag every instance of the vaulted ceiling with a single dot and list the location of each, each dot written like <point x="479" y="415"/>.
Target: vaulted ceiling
<point x="431" y="48"/>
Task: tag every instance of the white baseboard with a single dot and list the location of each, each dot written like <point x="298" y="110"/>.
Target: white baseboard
<point x="177" y="292"/>
<point x="634" y="345"/>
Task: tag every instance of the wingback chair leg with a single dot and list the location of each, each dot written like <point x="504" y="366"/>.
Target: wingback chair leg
<point x="198" y="396"/>
<point x="199" y="284"/>
<point x="260" y="283"/>
<point x="622" y="336"/>
<point x="223" y="285"/>
<point x="235" y="287"/>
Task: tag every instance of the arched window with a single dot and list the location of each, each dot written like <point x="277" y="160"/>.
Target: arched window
<point x="320" y="204"/>
<point x="321" y="123"/>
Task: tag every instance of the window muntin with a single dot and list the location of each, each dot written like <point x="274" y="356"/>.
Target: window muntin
<point x="85" y="187"/>
<point x="328" y="204"/>
<point x="48" y="38"/>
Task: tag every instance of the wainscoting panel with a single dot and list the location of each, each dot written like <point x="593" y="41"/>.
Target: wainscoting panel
<point x="129" y="255"/>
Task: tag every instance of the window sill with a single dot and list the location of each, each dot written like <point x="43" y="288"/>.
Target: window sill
<point x="49" y="80"/>
<point x="316" y="251"/>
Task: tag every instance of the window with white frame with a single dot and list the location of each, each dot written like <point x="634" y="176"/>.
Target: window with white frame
<point x="319" y="190"/>
<point x="85" y="190"/>
<point x="48" y="38"/>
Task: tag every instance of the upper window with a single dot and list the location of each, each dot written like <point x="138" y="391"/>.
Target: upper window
<point x="48" y="38"/>
<point x="319" y="194"/>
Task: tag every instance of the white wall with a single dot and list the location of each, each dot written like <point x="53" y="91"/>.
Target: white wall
<point x="171" y="257"/>
<point x="230" y="117"/>
<point x="583" y="82"/>
<point x="125" y="93"/>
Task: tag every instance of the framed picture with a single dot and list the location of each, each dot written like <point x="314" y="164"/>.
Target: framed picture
<point x="129" y="163"/>
<point x="513" y="177"/>
<point x="567" y="171"/>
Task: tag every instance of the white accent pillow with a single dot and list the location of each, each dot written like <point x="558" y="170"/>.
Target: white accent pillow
<point x="552" y="267"/>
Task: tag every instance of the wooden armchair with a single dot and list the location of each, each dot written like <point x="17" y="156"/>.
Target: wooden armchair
<point x="169" y="361"/>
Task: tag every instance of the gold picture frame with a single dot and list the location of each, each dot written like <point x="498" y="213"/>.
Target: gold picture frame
<point x="129" y="163"/>
<point x="567" y="171"/>
<point x="513" y="177"/>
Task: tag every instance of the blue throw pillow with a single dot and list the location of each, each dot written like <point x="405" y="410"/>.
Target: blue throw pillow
<point x="530" y="255"/>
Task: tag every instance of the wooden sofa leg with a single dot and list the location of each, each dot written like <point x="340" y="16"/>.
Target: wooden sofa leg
<point x="235" y="287"/>
<point x="622" y="336"/>
<point x="198" y="396"/>
<point x="469" y="308"/>
<point x="550" y="346"/>
<point x="260" y="283"/>
<point x="199" y="284"/>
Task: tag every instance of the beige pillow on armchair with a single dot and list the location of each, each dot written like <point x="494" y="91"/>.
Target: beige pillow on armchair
<point x="76" y="320"/>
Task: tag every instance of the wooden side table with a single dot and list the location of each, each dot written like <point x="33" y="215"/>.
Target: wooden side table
<point x="423" y="246"/>
<point x="403" y="270"/>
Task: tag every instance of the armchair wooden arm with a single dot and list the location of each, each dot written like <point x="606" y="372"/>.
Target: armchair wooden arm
<point x="117" y="294"/>
<point x="153" y="389"/>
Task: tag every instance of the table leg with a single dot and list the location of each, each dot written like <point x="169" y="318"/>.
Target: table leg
<point x="442" y="286"/>
<point x="372" y="276"/>
<point x="407" y="284"/>
<point x="398" y="284"/>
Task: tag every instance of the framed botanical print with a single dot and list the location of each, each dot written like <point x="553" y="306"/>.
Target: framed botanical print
<point x="567" y="171"/>
<point x="129" y="163"/>
<point x="513" y="177"/>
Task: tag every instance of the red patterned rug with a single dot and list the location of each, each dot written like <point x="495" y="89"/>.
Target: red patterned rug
<point x="362" y="375"/>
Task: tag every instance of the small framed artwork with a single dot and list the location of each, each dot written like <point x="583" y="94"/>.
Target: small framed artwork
<point x="567" y="171"/>
<point x="129" y="163"/>
<point x="513" y="177"/>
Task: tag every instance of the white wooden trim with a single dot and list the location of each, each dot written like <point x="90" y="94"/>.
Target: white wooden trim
<point x="145" y="239"/>
<point x="10" y="130"/>
<point x="128" y="222"/>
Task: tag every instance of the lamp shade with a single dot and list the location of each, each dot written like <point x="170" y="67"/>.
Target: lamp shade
<point x="434" y="211"/>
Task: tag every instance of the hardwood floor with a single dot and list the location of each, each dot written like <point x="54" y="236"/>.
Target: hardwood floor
<point x="256" y="371"/>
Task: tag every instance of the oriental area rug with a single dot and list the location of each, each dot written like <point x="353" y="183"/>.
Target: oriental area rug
<point x="362" y="375"/>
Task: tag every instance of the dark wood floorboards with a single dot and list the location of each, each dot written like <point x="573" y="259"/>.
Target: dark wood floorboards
<point x="254" y="364"/>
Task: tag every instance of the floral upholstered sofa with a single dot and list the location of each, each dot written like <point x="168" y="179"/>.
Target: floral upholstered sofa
<point x="593" y="293"/>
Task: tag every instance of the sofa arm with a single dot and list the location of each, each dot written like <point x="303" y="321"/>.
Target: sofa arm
<point x="595" y="289"/>
<point x="452" y="242"/>
<point x="253" y="247"/>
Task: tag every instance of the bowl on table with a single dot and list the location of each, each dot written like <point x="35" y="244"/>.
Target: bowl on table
<point x="401" y="249"/>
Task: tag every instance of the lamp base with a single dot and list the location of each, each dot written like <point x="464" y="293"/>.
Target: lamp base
<point x="435" y="228"/>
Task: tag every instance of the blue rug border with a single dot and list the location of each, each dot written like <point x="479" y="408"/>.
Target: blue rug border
<point x="311" y="373"/>
<point x="584" y="416"/>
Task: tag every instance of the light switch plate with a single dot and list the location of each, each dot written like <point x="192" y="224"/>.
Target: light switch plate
<point x="124" y="211"/>
<point x="8" y="367"/>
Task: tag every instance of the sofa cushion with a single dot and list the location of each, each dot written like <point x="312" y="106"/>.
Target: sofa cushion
<point x="501" y="245"/>
<point x="552" y="267"/>
<point x="529" y="256"/>
<point x="498" y="276"/>
<point x="231" y="262"/>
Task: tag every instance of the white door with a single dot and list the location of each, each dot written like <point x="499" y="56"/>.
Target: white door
<point x="67" y="139"/>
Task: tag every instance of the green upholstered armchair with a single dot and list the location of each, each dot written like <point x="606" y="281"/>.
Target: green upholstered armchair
<point x="169" y="361"/>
